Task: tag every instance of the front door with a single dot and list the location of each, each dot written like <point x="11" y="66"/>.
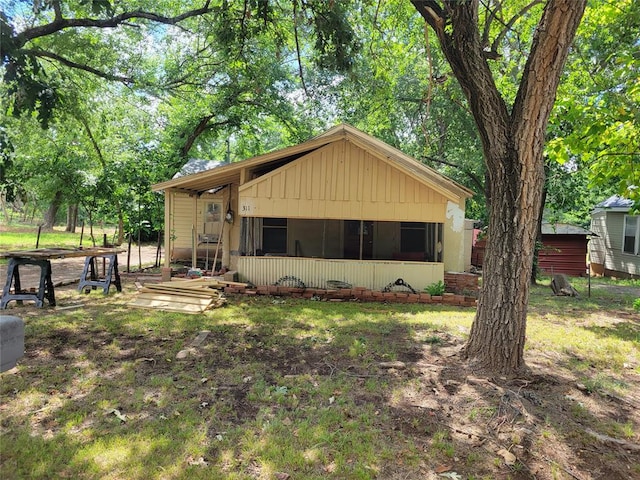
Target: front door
<point x="358" y="234"/>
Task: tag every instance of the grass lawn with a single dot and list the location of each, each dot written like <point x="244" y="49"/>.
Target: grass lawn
<point x="296" y="389"/>
<point x="25" y="237"/>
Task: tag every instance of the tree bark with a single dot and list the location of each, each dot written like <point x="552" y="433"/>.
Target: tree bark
<point x="52" y="211"/>
<point x="512" y="145"/>
<point x="72" y="218"/>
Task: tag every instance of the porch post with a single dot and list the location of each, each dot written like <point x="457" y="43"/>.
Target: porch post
<point x="194" y="233"/>
<point x="168" y="217"/>
<point x="361" y="237"/>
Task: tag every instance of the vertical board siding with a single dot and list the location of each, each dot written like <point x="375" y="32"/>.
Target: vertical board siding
<point x="341" y="181"/>
<point x="182" y="221"/>
<point x="314" y="272"/>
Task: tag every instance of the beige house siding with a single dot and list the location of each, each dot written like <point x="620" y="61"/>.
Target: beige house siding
<point x="315" y="272"/>
<point x="341" y="181"/>
<point x="606" y="248"/>
<point x="187" y="226"/>
<point x="453" y="253"/>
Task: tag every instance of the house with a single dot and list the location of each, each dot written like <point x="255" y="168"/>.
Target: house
<point x="616" y="249"/>
<point x="342" y="206"/>
<point x="564" y="249"/>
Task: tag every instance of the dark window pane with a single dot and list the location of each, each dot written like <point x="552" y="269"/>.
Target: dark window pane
<point x="274" y="222"/>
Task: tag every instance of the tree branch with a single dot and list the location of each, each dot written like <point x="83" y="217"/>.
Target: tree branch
<point x="547" y="57"/>
<point x="202" y="126"/>
<point x="462" y="46"/>
<point x="475" y="179"/>
<point x="94" y="143"/>
<point x="79" y="66"/>
<point x="295" y="35"/>
<point x="491" y="15"/>
<point x="61" y="23"/>
<point x="509" y="25"/>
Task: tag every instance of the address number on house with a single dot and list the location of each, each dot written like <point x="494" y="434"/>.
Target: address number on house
<point x="246" y="209"/>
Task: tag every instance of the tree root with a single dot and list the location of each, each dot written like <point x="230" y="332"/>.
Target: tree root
<point x="607" y="439"/>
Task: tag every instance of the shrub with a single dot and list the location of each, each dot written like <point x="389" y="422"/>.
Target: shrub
<point x="636" y="304"/>
<point x="435" y="289"/>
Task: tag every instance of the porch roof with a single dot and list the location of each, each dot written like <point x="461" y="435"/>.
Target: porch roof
<point x="243" y="171"/>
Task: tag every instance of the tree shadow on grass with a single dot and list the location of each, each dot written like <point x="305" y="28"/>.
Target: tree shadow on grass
<point x="624" y="330"/>
<point x="313" y="390"/>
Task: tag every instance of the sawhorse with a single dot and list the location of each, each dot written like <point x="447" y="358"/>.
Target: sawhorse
<point x="94" y="281"/>
<point x="45" y="288"/>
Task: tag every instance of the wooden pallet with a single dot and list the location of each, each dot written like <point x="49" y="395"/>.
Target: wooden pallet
<point x="185" y="296"/>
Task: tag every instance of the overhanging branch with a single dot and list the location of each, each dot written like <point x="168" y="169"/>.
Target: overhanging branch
<point x="475" y="179"/>
<point x="79" y="66"/>
<point x="61" y="23"/>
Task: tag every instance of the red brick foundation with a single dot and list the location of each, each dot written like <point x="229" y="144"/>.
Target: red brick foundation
<point x="355" y="294"/>
<point x="461" y="283"/>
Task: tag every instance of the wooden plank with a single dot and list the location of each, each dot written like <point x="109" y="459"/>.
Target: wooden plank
<point x="52" y="253"/>
<point x="169" y="306"/>
<point x="201" y="290"/>
<point x="176" y="298"/>
<point x="183" y="286"/>
<point x="200" y="283"/>
<point x="192" y="293"/>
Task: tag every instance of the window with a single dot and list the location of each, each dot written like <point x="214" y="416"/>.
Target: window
<point x="631" y="235"/>
<point x="212" y="222"/>
<point x="413" y="237"/>
<point x="274" y="235"/>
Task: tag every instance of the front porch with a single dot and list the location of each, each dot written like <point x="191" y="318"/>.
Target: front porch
<point x="316" y="272"/>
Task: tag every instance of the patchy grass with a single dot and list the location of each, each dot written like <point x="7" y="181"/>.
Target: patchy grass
<point x="297" y="390"/>
<point x="25" y="237"/>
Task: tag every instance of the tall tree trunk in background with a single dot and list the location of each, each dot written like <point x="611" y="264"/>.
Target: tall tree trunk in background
<point x="52" y="211"/>
<point x="120" y="227"/>
<point x="5" y="210"/>
<point x="72" y="218"/>
<point x="512" y="144"/>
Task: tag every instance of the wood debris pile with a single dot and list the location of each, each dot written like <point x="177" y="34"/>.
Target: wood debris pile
<point x="185" y="296"/>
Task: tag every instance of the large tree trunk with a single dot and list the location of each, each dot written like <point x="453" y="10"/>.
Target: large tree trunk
<point x="72" y="218"/>
<point x="512" y="144"/>
<point x="52" y="211"/>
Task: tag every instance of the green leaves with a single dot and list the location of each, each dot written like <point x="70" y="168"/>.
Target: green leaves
<point x="596" y="120"/>
<point x="98" y="6"/>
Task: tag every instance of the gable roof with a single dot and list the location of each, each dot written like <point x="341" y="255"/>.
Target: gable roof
<point x="563" y="229"/>
<point x="615" y="202"/>
<point x="232" y="173"/>
<point x="197" y="165"/>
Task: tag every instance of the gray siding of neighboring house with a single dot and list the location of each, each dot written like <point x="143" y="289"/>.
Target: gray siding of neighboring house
<point x="598" y="242"/>
<point x="606" y="249"/>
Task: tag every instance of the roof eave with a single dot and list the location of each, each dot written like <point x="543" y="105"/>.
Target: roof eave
<point x="198" y="178"/>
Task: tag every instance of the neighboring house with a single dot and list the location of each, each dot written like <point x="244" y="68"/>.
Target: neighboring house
<point x="342" y="206"/>
<point x="615" y="251"/>
<point x="564" y="250"/>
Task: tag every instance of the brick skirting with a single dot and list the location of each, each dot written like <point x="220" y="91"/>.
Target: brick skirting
<point x="354" y="294"/>
<point x="461" y="283"/>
